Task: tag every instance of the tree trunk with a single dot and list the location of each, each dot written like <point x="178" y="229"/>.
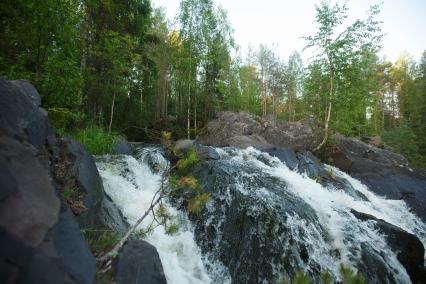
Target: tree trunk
<point x="195" y="116"/>
<point x="328" y="116"/>
<point x="188" y="121"/>
<point x="112" y="114"/>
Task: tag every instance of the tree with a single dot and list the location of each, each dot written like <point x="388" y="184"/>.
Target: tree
<point x="335" y="50"/>
<point x="207" y="37"/>
<point x="293" y="74"/>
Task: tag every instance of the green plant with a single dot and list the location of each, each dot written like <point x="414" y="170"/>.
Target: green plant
<point x="69" y="192"/>
<point x="96" y="140"/>
<point x="101" y="241"/>
<point x="349" y="276"/>
<point x="326" y="278"/>
<point x="403" y="139"/>
<point x="63" y="119"/>
<point x="190" y="160"/>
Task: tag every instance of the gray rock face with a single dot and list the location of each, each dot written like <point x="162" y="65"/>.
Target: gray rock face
<point x="384" y="172"/>
<point x="139" y="263"/>
<point x="122" y="147"/>
<point x="20" y="115"/>
<point x="243" y="130"/>
<point x="32" y="207"/>
<point x="40" y="242"/>
<point x="75" y="252"/>
<point x="88" y="181"/>
<point x="206" y="152"/>
<point x="410" y="249"/>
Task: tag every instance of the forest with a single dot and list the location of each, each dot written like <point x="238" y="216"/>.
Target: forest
<point x="120" y="67"/>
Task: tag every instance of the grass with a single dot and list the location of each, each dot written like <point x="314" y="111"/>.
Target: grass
<point x="96" y="140"/>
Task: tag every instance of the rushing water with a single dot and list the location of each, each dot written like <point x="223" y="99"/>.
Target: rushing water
<point x="132" y="184"/>
<point x="316" y="216"/>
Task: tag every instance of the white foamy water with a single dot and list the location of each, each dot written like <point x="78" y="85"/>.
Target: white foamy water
<point x="333" y="208"/>
<point x="132" y="185"/>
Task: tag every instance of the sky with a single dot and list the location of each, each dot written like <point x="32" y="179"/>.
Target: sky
<point x="281" y="23"/>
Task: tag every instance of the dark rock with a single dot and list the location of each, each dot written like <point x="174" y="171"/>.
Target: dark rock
<point x="206" y="152"/>
<point x="122" y="147"/>
<point x="25" y="87"/>
<point x="72" y="248"/>
<point x="409" y="248"/>
<point x="139" y="263"/>
<point x="39" y="242"/>
<point x="8" y="183"/>
<point x="243" y="130"/>
<point x="44" y="270"/>
<point x="386" y="173"/>
<point x="88" y="181"/>
<point x="184" y="144"/>
<point x="32" y="208"/>
<point x="14" y="255"/>
<point x="112" y="217"/>
<point x="20" y="115"/>
<point x="248" y="234"/>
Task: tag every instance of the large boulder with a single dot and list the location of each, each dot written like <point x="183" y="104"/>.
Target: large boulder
<point x="386" y="173"/>
<point x="122" y="147"/>
<point x="86" y="179"/>
<point x="139" y="263"/>
<point x="410" y="250"/>
<point x="39" y="238"/>
<point x="21" y="116"/>
<point x="243" y="129"/>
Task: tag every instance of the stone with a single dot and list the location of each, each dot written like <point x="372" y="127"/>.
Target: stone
<point x="122" y="147"/>
<point x="243" y="130"/>
<point x="20" y="115"/>
<point x="40" y="242"/>
<point x="139" y="263"/>
<point x="206" y="152"/>
<point x="31" y="208"/>
<point x="410" y="250"/>
<point x="184" y="144"/>
<point x="88" y="181"/>
<point x="386" y="173"/>
<point x="73" y="249"/>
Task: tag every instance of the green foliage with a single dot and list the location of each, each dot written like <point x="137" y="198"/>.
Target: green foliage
<point x="172" y="228"/>
<point x="69" y="192"/>
<point x="301" y="278"/>
<point x="64" y="120"/>
<point x="100" y="242"/>
<point x="326" y="277"/>
<point x="349" y="276"/>
<point x="190" y="160"/>
<point x="403" y="140"/>
<point x="96" y="140"/>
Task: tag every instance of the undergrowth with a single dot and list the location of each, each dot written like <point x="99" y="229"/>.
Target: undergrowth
<point x="96" y="140"/>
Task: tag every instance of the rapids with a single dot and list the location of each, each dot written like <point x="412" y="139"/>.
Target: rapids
<point x="263" y="220"/>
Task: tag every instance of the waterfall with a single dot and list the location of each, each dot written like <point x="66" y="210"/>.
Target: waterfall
<point x="132" y="183"/>
<point x="263" y="220"/>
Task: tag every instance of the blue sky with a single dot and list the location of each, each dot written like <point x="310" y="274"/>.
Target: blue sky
<point x="282" y="22"/>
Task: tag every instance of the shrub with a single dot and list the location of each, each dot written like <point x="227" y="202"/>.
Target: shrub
<point x="96" y="140"/>
<point x="63" y="119"/>
<point x="403" y="140"/>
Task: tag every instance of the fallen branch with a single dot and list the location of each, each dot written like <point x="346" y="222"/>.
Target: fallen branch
<point x="105" y="260"/>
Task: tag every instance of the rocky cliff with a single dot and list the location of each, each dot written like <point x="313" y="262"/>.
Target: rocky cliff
<point x="50" y="192"/>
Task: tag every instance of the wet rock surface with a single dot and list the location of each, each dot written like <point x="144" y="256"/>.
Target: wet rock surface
<point x="384" y="172"/>
<point x="409" y="248"/>
<point x="122" y="147"/>
<point x="139" y="263"/>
